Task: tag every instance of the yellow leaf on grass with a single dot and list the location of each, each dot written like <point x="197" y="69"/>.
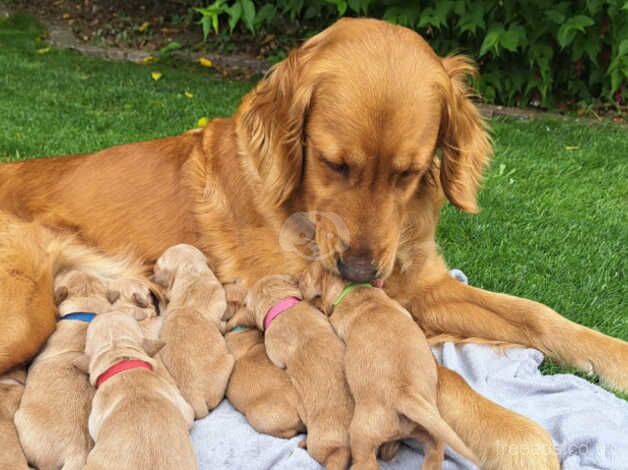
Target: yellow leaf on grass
<point x="202" y="122"/>
<point x="572" y="147"/>
<point x="205" y="62"/>
<point x="188" y="94"/>
<point x="143" y="27"/>
<point x="44" y="50"/>
<point x="156" y="75"/>
<point x="149" y="59"/>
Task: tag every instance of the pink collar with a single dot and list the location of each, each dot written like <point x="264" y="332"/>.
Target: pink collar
<point x="121" y="367"/>
<point x="278" y="309"/>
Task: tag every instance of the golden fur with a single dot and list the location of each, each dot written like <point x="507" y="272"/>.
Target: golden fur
<point x="11" y="388"/>
<point x="390" y="370"/>
<point x="195" y="353"/>
<point x="302" y="341"/>
<point x="260" y="390"/>
<point x="138" y="419"/>
<point x="52" y="417"/>
<point x="364" y="94"/>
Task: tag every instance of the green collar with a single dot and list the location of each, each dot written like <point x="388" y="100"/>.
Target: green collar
<point x="348" y="288"/>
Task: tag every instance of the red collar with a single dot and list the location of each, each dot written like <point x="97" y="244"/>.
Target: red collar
<point x="121" y="366"/>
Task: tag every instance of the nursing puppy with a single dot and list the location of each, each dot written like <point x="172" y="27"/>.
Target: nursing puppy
<point x="11" y="388"/>
<point x="195" y="353"/>
<point x="132" y="296"/>
<point x="52" y="418"/>
<point x="138" y="419"/>
<point x="260" y="390"/>
<point x="390" y="369"/>
<point x="300" y="339"/>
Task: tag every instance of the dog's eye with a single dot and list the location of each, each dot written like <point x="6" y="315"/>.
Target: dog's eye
<point x="407" y="175"/>
<point x="340" y="168"/>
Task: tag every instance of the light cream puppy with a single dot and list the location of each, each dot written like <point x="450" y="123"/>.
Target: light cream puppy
<point x="52" y="418"/>
<point x="195" y="354"/>
<point x="390" y="369"/>
<point x="133" y="296"/>
<point x="301" y="340"/>
<point x="259" y="389"/>
<point x="138" y="420"/>
<point x="11" y="388"/>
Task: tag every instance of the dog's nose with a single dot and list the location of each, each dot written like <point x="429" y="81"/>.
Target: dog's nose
<point x="357" y="269"/>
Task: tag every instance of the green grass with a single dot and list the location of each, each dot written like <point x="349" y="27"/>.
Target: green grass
<point x="553" y="226"/>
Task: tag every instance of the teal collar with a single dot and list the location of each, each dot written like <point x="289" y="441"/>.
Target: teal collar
<point x="238" y="328"/>
<point x="348" y="288"/>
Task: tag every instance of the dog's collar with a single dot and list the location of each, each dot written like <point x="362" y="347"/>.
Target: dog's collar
<point x="122" y="366"/>
<point x="80" y="316"/>
<point x="277" y="309"/>
<point x="238" y="329"/>
<point x="348" y="288"/>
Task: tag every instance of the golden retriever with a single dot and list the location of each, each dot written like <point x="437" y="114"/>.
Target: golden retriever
<point x="346" y="150"/>
<point x="11" y="389"/>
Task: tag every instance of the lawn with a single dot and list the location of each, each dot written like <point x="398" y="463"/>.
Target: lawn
<point x="554" y="221"/>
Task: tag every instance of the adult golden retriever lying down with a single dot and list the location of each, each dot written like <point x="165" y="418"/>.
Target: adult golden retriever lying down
<point x="346" y="129"/>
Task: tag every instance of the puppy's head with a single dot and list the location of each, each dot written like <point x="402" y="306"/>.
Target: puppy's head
<point x="112" y="337"/>
<point x="350" y="124"/>
<point x="77" y="291"/>
<point x="318" y="283"/>
<point x="137" y="297"/>
<point x="176" y="259"/>
<point x="266" y="292"/>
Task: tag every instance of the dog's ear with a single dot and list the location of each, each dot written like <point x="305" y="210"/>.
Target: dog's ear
<point x="61" y="293"/>
<point x="112" y="296"/>
<point x="464" y="141"/>
<point x="141" y="300"/>
<point x="271" y="123"/>
<point x="82" y="363"/>
<point x="152" y="346"/>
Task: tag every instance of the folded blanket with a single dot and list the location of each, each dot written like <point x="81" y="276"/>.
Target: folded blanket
<point x="588" y="424"/>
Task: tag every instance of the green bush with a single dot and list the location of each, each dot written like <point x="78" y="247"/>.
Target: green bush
<point x="535" y="52"/>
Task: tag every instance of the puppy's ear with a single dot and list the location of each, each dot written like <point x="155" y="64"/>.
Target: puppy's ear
<point x="82" y="363"/>
<point x="310" y="281"/>
<point x="141" y="300"/>
<point x="112" y="296"/>
<point x="464" y="141"/>
<point x="271" y="123"/>
<point x="61" y="293"/>
<point x="152" y="346"/>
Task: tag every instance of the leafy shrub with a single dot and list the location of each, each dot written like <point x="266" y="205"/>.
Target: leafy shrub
<point x="536" y="52"/>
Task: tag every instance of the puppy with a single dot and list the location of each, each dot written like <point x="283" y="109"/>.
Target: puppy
<point x="11" y="388"/>
<point x="52" y="418"/>
<point x="195" y="354"/>
<point x="259" y="389"/>
<point x="301" y="340"/>
<point x="390" y="369"/>
<point x="138" y="419"/>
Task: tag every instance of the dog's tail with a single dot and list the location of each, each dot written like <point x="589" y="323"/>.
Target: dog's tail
<point x="31" y="255"/>
<point x="424" y="413"/>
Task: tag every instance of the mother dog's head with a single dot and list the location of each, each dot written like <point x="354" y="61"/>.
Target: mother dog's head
<point x="350" y="123"/>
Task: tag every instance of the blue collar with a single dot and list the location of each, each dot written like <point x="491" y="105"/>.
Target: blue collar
<point x="239" y="328"/>
<point x="80" y="316"/>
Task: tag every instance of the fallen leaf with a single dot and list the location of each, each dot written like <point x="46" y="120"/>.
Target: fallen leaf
<point x="156" y="75"/>
<point x="66" y="16"/>
<point x="202" y="122"/>
<point x="502" y="168"/>
<point x="571" y="147"/>
<point x="149" y="59"/>
<point x="44" y="50"/>
<point x="205" y="62"/>
<point x="188" y="94"/>
<point x="143" y="27"/>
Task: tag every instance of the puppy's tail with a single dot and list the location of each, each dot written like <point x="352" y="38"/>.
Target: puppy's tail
<point x="424" y="413"/>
